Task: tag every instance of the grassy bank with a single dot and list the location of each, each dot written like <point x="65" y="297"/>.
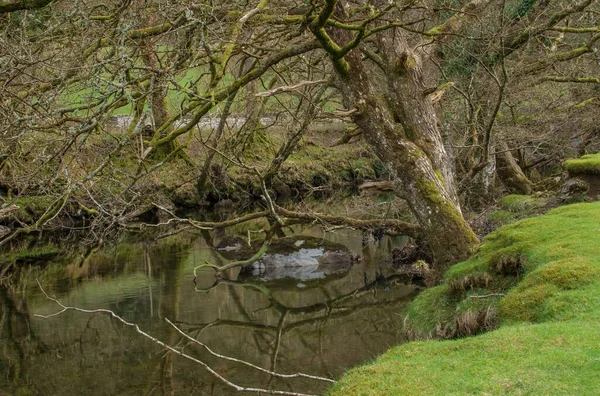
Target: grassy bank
<point x="589" y="164"/>
<point x="537" y="282"/>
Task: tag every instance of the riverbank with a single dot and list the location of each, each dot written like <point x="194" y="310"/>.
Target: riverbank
<point x="128" y="191"/>
<point x="536" y="283"/>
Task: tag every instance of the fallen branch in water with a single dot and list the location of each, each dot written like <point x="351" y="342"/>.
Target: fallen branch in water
<point x="399" y="226"/>
<point x="296" y="375"/>
<point x="110" y="313"/>
<point x="241" y="263"/>
<point x="396" y="227"/>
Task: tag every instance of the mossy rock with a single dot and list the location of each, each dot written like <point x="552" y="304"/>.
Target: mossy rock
<point x="522" y="204"/>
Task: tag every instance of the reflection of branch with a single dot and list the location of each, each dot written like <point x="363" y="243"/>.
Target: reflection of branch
<point x="241" y="263"/>
<point x="168" y="347"/>
<point x="330" y="314"/>
<point x="331" y="307"/>
<point x="296" y="375"/>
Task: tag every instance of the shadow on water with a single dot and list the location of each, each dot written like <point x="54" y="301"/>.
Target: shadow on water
<point x="322" y="325"/>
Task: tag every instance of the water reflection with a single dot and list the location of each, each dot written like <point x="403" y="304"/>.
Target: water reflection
<point x="322" y="328"/>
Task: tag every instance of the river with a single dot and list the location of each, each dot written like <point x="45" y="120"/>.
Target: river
<point x="320" y="326"/>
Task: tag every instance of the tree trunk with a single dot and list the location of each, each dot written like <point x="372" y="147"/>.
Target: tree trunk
<point x="412" y="150"/>
<point x="510" y="172"/>
<point x="158" y="102"/>
<point x="204" y="173"/>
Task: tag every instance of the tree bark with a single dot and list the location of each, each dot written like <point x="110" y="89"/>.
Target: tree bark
<point x="402" y="129"/>
<point x="412" y="150"/>
<point x="510" y="172"/>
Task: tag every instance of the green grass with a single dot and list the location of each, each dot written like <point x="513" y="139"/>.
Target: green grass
<point x="502" y="217"/>
<point x="589" y="163"/>
<point x="549" y="359"/>
<point x="522" y="204"/>
<point x="541" y="279"/>
<point x="515" y="207"/>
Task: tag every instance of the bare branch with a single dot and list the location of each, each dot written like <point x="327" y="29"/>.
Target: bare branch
<point x="167" y="347"/>
<point x="289" y="88"/>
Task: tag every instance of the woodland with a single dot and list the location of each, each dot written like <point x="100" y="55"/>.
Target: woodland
<point x="438" y="120"/>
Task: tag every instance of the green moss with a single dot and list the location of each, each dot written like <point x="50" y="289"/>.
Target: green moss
<point x="588" y="164"/>
<point x="29" y="255"/>
<point x="567" y="274"/>
<point x="438" y="173"/>
<point x="526" y="305"/>
<point x="543" y="270"/>
<point x="501" y="217"/>
<point x="31" y="207"/>
<point x="522" y="204"/>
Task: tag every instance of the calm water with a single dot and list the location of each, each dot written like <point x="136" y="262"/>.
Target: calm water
<point x="319" y="326"/>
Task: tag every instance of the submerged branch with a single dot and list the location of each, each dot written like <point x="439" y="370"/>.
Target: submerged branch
<point x="296" y="375"/>
<point x="169" y="348"/>
<point x="241" y="263"/>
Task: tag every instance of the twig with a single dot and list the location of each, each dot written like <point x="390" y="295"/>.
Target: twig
<point x="168" y="347"/>
<point x="279" y="375"/>
<point x="288" y="88"/>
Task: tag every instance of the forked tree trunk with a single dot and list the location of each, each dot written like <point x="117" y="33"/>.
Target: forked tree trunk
<point x="413" y="152"/>
<point x="403" y="131"/>
<point x="158" y="105"/>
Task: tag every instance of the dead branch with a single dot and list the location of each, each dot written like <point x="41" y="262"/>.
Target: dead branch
<point x="488" y="295"/>
<point x="279" y="375"/>
<point x="377" y="186"/>
<point x="342" y="113"/>
<point x="241" y="263"/>
<point x="169" y="348"/>
<point x="411" y="230"/>
<point x="289" y="88"/>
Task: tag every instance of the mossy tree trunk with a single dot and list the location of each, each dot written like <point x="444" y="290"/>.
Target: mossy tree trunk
<point x="403" y="132"/>
<point x="510" y="172"/>
<point x="158" y="104"/>
<point x="158" y="99"/>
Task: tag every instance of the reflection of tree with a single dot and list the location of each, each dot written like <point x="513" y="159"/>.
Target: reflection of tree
<point x="267" y="337"/>
<point x="180" y="352"/>
<point x="170" y="272"/>
<point x="19" y="341"/>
